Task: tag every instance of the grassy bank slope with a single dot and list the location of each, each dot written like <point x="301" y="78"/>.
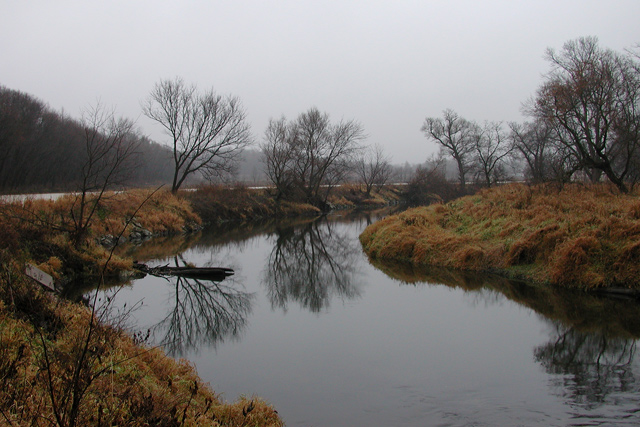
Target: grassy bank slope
<point x="217" y="204"/>
<point x="60" y="367"/>
<point x="578" y="236"/>
<point x="61" y="364"/>
<point x="41" y="230"/>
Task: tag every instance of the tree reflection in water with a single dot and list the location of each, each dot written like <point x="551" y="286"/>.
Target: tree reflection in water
<point x="592" y="365"/>
<point x="591" y="352"/>
<point x="204" y="312"/>
<point x="310" y="264"/>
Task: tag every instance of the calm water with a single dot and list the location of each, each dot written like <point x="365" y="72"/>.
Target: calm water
<point x="308" y="324"/>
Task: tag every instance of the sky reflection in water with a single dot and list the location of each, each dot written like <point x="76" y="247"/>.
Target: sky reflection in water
<point x="329" y="339"/>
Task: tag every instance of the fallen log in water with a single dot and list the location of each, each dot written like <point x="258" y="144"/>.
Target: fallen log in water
<point x="206" y="273"/>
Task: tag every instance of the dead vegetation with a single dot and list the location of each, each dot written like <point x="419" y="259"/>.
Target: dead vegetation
<point x="44" y="229"/>
<point x="217" y="204"/>
<point x="60" y="367"/>
<point x="66" y="364"/>
<point x="575" y="236"/>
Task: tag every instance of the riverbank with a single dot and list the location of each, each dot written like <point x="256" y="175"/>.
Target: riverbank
<point x="42" y="230"/>
<point x="64" y="363"/>
<point x="218" y="204"/>
<point x="584" y="237"/>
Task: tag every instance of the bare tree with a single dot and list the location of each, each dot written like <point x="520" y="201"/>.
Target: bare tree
<point x="279" y="154"/>
<point x="208" y="131"/>
<point x="310" y="154"/>
<point x="322" y="152"/>
<point x="591" y="99"/>
<point x="373" y="168"/>
<point x="533" y="142"/>
<point x="110" y="149"/>
<point x="492" y="148"/>
<point x="453" y="133"/>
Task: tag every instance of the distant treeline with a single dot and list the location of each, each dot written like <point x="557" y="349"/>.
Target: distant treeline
<point x="44" y="150"/>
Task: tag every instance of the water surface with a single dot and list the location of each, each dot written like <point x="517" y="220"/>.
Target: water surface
<point x="310" y="325"/>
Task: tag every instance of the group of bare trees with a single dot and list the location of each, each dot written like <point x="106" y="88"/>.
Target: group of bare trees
<point x="590" y="99"/>
<point x="479" y="150"/>
<point x="207" y="132"/>
<point x="306" y="157"/>
<point x="373" y="169"/>
<point x="585" y="123"/>
<point x="482" y="153"/>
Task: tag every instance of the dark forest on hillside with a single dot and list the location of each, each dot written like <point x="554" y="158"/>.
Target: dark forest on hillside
<point x="44" y="150"/>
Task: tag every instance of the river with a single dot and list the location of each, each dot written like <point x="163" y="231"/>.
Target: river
<point x="311" y="326"/>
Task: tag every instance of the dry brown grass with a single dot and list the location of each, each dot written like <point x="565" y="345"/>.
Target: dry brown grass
<point x="576" y="236"/>
<point x="119" y="382"/>
<point x="160" y="212"/>
<point x="216" y="204"/>
<point x="353" y="195"/>
<point x="44" y="362"/>
<point x="42" y="228"/>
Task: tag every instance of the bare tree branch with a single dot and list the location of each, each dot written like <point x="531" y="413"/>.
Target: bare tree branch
<point x="591" y="98"/>
<point x="453" y="133"/>
<point x="208" y="131"/>
<point x="306" y="157"/>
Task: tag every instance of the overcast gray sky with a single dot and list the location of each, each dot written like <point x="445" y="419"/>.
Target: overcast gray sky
<point x="387" y="64"/>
